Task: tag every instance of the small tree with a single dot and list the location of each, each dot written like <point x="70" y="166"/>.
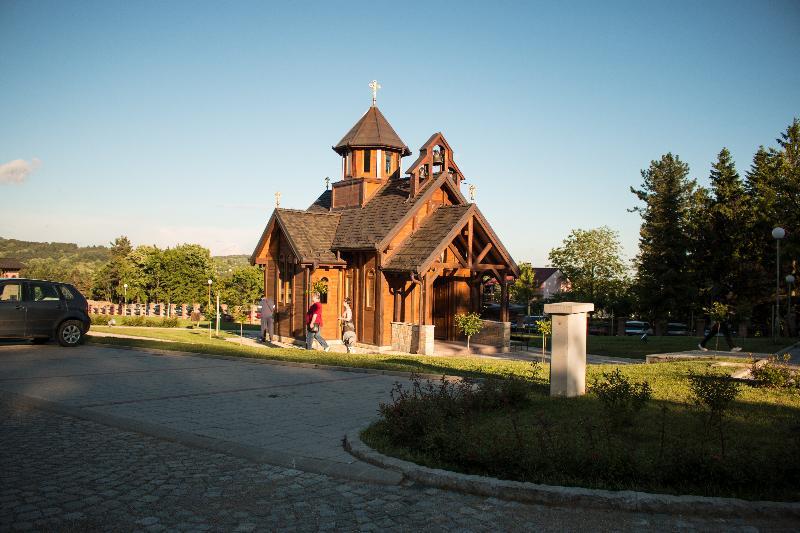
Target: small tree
<point x="525" y="288"/>
<point x="469" y="324"/>
<point x="546" y="329"/>
<point x="717" y="312"/>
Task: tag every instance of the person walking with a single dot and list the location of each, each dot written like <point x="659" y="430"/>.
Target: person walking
<point x="348" y="328"/>
<point x="314" y="324"/>
<point x="719" y="314"/>
<point x="267" y="319"/>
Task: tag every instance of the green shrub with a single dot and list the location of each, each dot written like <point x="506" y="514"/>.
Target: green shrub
<point x="620" y="398"/>
<point x="774" y="373"/>
<point x="134" y="321"/>
<point x="714" y="394"/>
<point x="427" y="415"/>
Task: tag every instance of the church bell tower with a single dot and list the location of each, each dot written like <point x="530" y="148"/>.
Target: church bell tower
<point x="371" y="152"/>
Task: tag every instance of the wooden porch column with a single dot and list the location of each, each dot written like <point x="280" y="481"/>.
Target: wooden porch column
<point x="504" y="300"/>
<point x="396" y="293"/>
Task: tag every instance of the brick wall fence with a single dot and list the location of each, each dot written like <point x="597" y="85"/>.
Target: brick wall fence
<point x="100" y="307"/>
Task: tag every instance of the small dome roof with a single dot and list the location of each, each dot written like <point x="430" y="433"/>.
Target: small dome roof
<point x="372" y="131"/>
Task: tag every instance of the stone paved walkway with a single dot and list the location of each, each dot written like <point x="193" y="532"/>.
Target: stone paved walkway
<point x="298" y="412"/>
<point x="64" y="474"/>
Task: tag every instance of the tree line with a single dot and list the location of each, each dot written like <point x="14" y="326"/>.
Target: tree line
<point x="172" y="275"/>
<point x="697" y="244"/>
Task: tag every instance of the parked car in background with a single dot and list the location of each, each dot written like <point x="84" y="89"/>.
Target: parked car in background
<point x="637" y="327"/>
<point x="677" y="329"/>
<point x="40" y="310"/>
<point x="528" y="324"/>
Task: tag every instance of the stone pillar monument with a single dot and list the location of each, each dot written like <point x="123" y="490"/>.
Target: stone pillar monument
<point x="568" y="360"/>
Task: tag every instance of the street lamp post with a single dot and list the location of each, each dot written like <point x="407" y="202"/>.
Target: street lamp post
<point x="778" y="234"/>
<point x="209" y="308"/>
<point x="790" y="318"/>
<point x="125" y="307"/>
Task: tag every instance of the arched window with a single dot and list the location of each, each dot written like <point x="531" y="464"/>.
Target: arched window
<point x="348" y="285"/>
<point x="323" y="296"/>
<point x="281" y="274"/>
<point x="370" y="290"/>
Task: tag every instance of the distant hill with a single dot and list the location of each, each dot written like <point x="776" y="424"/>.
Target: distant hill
<point x="223" y="263"/>
<point x="27" y="250"/>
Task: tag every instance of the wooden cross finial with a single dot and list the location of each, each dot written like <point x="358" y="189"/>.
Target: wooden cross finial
<point x="374" y="85"/>
<point x="277" y="199"/>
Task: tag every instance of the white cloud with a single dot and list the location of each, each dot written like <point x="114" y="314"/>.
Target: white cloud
<point x="18" y="170"/>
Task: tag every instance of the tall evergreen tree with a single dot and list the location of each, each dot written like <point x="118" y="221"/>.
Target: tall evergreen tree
<point x="664" y="281"/>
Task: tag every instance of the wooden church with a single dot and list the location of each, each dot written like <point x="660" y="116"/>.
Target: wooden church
<point x="408" y="249"/>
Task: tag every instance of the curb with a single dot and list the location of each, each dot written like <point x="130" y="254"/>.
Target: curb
<point x="573" y="496"/>
<point x="354" y="471"/>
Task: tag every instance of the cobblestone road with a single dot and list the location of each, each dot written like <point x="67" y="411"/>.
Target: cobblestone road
<point x="74" y="473"/>
<point x="61" y="473"/>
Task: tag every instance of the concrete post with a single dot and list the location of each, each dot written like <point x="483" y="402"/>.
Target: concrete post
<point x="568" y="360"/>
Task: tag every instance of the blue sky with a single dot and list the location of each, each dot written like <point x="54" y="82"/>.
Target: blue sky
<point x="176" y="122"/>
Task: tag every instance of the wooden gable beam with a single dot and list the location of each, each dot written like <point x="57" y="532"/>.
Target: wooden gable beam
<point x="457" y="254"/>
<point x="469" y="242"/>
<point x="483" y="253"/>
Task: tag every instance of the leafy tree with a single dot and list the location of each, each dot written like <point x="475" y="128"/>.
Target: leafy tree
<point x="664" y="280"/>
<point x="469" y="324"/>
<point x="525" y="288"/>
<point x="187" y="269"/>
<point x="245" y="286"/>
<point x="592" y="261"/>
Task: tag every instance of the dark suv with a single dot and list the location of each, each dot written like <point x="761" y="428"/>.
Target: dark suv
<point x="40" y="310"/>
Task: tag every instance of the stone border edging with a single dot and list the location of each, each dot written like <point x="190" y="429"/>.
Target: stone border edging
<point x="353" y="471"/>
<point x="559" y="496"/>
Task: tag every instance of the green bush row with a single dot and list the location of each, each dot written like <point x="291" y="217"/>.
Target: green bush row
<point x="150" y="322"/>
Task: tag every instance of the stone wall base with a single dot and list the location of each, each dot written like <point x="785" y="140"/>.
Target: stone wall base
<point x="412" y="338"/>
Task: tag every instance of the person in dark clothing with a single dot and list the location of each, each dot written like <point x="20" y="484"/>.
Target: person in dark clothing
<point x="721" y="324"/>
<point x="314" y="324"/>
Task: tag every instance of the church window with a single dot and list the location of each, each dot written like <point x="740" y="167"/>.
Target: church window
<point x="388" y="163"/>
<point x="370" y="290"/>
<point x="281" y="275"/>
<point x="348" y="285"/>
<point x="289" y="282"/>
<point x="367" y="154"/>
<point x="323" y="296"/>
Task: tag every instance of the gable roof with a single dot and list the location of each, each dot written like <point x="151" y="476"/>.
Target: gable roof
<point x="10" y="264"/>
<point x="542" y="274"/>
<point x="419" y="247"/>
<point x="372" y="130"/>
<point x="310" y="234"/>
<point x="372" y="225"/>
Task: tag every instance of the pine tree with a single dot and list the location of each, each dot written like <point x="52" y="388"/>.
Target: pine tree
<point x="727" y="212"/>
<point x="664" y="281"/>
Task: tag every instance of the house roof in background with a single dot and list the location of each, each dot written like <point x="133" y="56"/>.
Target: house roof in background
<point x="10" y="264"/>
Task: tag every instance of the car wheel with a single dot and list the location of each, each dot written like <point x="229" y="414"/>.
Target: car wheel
<point x="40" y="340"/>
<point x="70" y="333"/>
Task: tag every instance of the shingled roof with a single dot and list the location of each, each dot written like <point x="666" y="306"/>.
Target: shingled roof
<point x="418" y="248"/>
<point x="373" y="130"/>
<point x="10" y="264"/>
<point x="310" y="234"/>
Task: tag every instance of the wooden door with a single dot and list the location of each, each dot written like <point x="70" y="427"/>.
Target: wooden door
<point x="441" y="309"/>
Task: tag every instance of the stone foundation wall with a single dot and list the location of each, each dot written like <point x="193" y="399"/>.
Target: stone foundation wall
<point x="412" y="338"/>
<point x="494" y="334"/>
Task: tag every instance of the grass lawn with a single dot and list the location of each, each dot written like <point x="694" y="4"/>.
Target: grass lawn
<point x="634" y="348"/>
<point x="197" y="341"/>
<point x="669" y="446"/>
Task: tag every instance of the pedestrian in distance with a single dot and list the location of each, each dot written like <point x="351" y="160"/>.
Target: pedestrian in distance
<point x="267" y="319"/>
<point x="314" y="324"/>
<point x="348" y="328"/>
<point x="720" y="323"/>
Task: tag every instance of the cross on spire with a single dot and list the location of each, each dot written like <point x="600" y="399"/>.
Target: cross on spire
<point x="374" y="85"/>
